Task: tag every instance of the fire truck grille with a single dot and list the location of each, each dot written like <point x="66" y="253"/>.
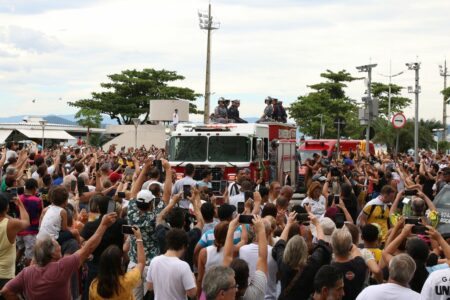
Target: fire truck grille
<point x="217" y="173"/>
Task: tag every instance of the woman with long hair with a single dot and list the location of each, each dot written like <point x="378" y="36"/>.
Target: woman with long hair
<point x="296" y="268"/>
<point x="112" y="282"/>
<point x="213" y="255"/>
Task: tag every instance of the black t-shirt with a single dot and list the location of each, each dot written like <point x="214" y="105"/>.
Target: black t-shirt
<point x="419" y="278"/>
<point x="354" y="273"/>
<point x="428" y="188"/>
<point x="113" y="236"/>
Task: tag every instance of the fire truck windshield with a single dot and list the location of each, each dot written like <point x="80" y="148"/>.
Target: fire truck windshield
<point x="187" y="148"/>
<point x="229" y="149"/>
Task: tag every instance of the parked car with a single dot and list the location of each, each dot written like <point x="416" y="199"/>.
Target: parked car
<point x="442" y="202"/>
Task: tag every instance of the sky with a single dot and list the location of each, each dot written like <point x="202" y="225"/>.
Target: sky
<point x="57" y="51"/>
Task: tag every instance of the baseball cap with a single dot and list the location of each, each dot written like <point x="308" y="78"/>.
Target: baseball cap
<point x="145" y="196"/>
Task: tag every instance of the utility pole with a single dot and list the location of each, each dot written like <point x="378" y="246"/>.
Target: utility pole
<point x="368" y="69"/>
<point x="416" y="67"/>
<point x="443" y="72"/>
<point x="206" y="23"/>
<point x="390" y="83"/>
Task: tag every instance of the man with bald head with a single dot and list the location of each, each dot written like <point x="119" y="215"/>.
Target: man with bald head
<point x="249" y="253"/>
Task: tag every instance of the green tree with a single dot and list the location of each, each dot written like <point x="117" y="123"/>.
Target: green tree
<point x="89" y="118"/>
<point x="128" y="94"/>
<point x="328" y="100"/>
<point x="446" y="93"/>
<point x="398" y="103"/>
<point x="385" y="133"/>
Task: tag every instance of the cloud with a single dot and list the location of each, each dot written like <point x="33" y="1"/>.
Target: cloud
<point x="29" y="39"/>
<point x="277" y="47"/>
<point x="40" y="6"/>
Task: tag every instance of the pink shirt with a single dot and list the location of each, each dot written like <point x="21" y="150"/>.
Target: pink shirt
<point x="49" y="282"/>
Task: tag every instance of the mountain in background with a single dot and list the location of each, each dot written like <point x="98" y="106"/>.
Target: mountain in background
<point x="55" y="119"/>
<point x="70" y="119"/>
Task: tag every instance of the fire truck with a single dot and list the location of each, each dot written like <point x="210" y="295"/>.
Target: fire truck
<point x="309" y="147"/>
<point x="224" y="148"/>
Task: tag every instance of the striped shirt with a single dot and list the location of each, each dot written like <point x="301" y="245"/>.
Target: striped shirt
<point x="207" y="238"/>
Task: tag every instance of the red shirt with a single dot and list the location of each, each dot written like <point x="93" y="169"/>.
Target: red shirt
<point x="49" y="282"/>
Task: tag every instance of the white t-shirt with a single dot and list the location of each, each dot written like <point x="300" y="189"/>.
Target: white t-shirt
<point x="234" y="189"/>
<point x="437" y="286"/>
<point x="249" y="253"/>
<point x="234" y="200"/>
<point x="317" y="207"/>
<point x="388" y="291"/>
<point x="171" y="277"/>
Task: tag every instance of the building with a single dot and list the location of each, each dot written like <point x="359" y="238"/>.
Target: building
<point x="37" y="128"/>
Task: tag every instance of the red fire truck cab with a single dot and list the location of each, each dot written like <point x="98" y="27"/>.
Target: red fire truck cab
<point x="309" y="147"/>
<point x="224" y="148"/>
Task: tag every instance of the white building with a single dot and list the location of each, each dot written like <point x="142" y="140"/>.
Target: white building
<point x="33" y="128"/>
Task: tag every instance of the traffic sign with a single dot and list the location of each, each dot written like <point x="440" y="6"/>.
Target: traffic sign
<point x="398" y="120"/>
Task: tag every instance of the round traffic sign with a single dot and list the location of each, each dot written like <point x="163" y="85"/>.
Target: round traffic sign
<point x="398" y="120"/>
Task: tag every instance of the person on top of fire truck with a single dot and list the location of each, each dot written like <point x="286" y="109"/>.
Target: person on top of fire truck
<point x="220" y="112"/>
<point x="233" y="112"/>
<point x="268" y="111"/>
<point x="279" y="113"/>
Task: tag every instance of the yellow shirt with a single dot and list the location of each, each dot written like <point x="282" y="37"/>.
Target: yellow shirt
<point x="378" y="212"/>
<point x="7" y="253"/>
<point x="127" y="282"/>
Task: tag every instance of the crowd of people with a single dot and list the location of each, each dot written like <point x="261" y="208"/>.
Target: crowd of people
<point x="82" y="223"/>
<point x="224" y="113"/>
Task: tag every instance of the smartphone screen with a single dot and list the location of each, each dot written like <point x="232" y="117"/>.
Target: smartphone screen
<point x="248" y="195"/>
<point x="186" y="191"/>
<point x="245" y="219"/>
<point x="158" y="164"/>
<point x="339" y="219"/>
<point x="121" y="195"/>
<point x="13" y="191"/>
<point x="336" y="199"/>
<point x="240" y="207"/>
<point x="410" y="192"/>
<point x="97" y="166"/>
<point x="111" y="206"/>
<point x="302" y="218"/>
<point x="223" y="186"/>
<point x="127" y="229"/>
<point x="73" y="185"/>
<point x="20" y="190"/>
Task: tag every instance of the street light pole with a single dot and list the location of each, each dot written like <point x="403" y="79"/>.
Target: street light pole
<point x="206" y="23"/>
<point x="136" y="122"/>
<point x="443" y="72"/>
<point x="368" y="69"/>
<point x="390" y="83"/>
<point x="43" y="123"/>
<point x="416" y="67"/>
